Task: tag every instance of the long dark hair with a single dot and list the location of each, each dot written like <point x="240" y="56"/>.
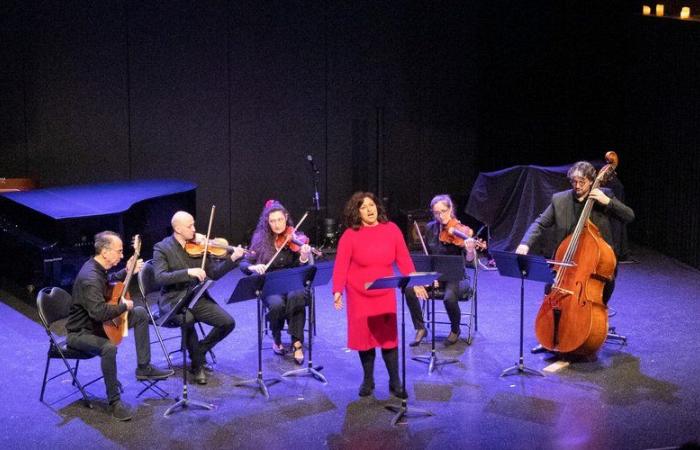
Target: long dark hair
<point x="263" y="241"/>
<point x="351" y="214"/>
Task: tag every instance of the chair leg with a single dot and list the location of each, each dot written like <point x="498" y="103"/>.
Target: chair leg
<point x="43" y="385"/>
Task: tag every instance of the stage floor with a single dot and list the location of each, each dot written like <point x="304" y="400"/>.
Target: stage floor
<point x="641" y="395"/>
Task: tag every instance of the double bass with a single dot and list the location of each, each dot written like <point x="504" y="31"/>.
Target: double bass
<point x="573" y="317"/>
<point x="118" y="328"/>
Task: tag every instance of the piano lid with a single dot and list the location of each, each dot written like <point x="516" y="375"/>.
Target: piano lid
<point x="67" y="202"/>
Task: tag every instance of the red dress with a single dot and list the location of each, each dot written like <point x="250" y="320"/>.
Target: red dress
<point x="363" y="256"/>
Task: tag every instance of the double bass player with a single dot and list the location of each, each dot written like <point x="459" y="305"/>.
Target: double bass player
<point x="562" y="215"/>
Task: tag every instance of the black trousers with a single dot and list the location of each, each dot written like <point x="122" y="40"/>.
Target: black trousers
<point x="209" y="312"/>
<point x="454" y="290"/>
<point x="99" y="345"/>
<point x="291" y="307"/>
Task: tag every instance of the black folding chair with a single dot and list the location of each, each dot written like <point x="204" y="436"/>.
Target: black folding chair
<point x="468" y="319"/>
<point x="53" y="304"/>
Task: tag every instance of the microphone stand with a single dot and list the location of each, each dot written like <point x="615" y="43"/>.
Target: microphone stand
<point x="316" y="199"/>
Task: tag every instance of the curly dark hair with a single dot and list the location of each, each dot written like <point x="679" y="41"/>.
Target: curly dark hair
<point x="263" y="241"/>
<point x="351" y="213"/>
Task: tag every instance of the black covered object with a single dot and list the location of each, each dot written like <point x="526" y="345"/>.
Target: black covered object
<point x="509" y="200"/>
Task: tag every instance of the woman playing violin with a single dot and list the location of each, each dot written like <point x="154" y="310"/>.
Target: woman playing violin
<point x="275" y="232"/>
<point x="442" y="237"/>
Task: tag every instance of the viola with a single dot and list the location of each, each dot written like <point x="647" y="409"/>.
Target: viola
<point x="218" y="247"/>
<point x="456" y="233"/>
<point x="294" y="240"/>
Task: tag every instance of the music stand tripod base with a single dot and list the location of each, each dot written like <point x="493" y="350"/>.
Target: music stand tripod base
<point x="403" y="411"/>
<point x="185" y="403"/>
<point x="262" y="383"/>
<point x="520" y="368"/>
<point x="310" y="370"/>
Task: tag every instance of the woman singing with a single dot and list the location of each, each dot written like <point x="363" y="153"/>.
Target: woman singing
<point x="366" y="251"/>
<point x="443" y="211"/>
<point x="273" y="226"/>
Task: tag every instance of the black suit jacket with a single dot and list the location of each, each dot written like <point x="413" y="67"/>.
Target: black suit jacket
<point x="560" y="218"/>
<point x="171" y="262"/>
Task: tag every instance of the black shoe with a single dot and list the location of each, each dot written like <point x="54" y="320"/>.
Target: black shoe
<point x="366" y="388"/>
<point x="152" y="373"/>
<point x="121" y="411"/>
<point x="200" y="375"/>
<point x="538" y="349"/>
<point x="397" y="391"/>
<point x="452" y="339"/>
<point x="420" y="334"/>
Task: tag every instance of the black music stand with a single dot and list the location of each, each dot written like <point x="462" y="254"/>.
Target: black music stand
<point x="186" y="302"/>
<point x="259" y="287"/>
<point x="451" y="268"/>
<point x="402" y="282"/>
<point x="322" y="276"/>
<point x="525" y="267"/>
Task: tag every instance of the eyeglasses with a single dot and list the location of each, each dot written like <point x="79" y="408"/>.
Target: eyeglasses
<point x="440" y="212"/>
<point x="579" y="182"/>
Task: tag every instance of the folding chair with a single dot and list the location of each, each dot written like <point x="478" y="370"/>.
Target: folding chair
<point x="150" y="290"/>
<point x="472" y="270"/>
<point x="53" y="304"/>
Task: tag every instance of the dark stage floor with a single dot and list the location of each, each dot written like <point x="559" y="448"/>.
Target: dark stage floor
<point x="642" y="395"/>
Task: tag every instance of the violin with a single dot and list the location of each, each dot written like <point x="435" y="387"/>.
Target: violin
<point x="456" y="233"/>
<point x="217" y="248"/>
<point x="294" y="241"/>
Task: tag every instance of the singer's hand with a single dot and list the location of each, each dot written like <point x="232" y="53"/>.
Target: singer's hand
<point x="420" y="292"/>
<point x="338" y="301"/>
<point x="197" y="273"/>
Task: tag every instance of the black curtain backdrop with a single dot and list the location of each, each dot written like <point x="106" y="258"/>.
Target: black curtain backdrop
<point x="407" y="98"/>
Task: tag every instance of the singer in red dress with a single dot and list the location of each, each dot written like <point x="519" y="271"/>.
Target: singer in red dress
<point x="367" y="250"/>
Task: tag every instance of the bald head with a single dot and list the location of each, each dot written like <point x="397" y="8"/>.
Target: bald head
<point x="183" y="225"/>
<point x="181" y="217"/>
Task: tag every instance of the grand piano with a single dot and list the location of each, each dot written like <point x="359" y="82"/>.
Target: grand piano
<point x="47" y="234"/>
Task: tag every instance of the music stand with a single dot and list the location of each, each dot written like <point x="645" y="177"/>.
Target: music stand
<point x="525" y="267"/>
<point x="402" y="282"/>
<point x="186" y="302"/>
<point x="451" y="268"/>
<point x="322" y="276"/>
<point x="259" y="287"/>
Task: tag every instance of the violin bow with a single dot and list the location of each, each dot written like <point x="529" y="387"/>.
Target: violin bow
<point x="420" y="236"/>
<point x="206" y="242"/>
<point x="267" y="266"/>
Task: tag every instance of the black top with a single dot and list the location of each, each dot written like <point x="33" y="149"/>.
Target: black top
<point x="89" y="307"/>
<point x="170" y="263"/>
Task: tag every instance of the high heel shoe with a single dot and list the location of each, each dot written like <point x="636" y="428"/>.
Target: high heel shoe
<point x="420" y="334"/>
<point x="298" y="353"/>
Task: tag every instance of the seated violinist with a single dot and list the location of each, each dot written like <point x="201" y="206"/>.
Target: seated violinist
<point x="273" y="236"/>
<point x="441" y="239"/>
<point x="175" y="271"/>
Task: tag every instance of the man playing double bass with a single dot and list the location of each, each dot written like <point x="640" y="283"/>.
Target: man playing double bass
<point x="563" y="213"/>
<point x="89" y="310"/>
